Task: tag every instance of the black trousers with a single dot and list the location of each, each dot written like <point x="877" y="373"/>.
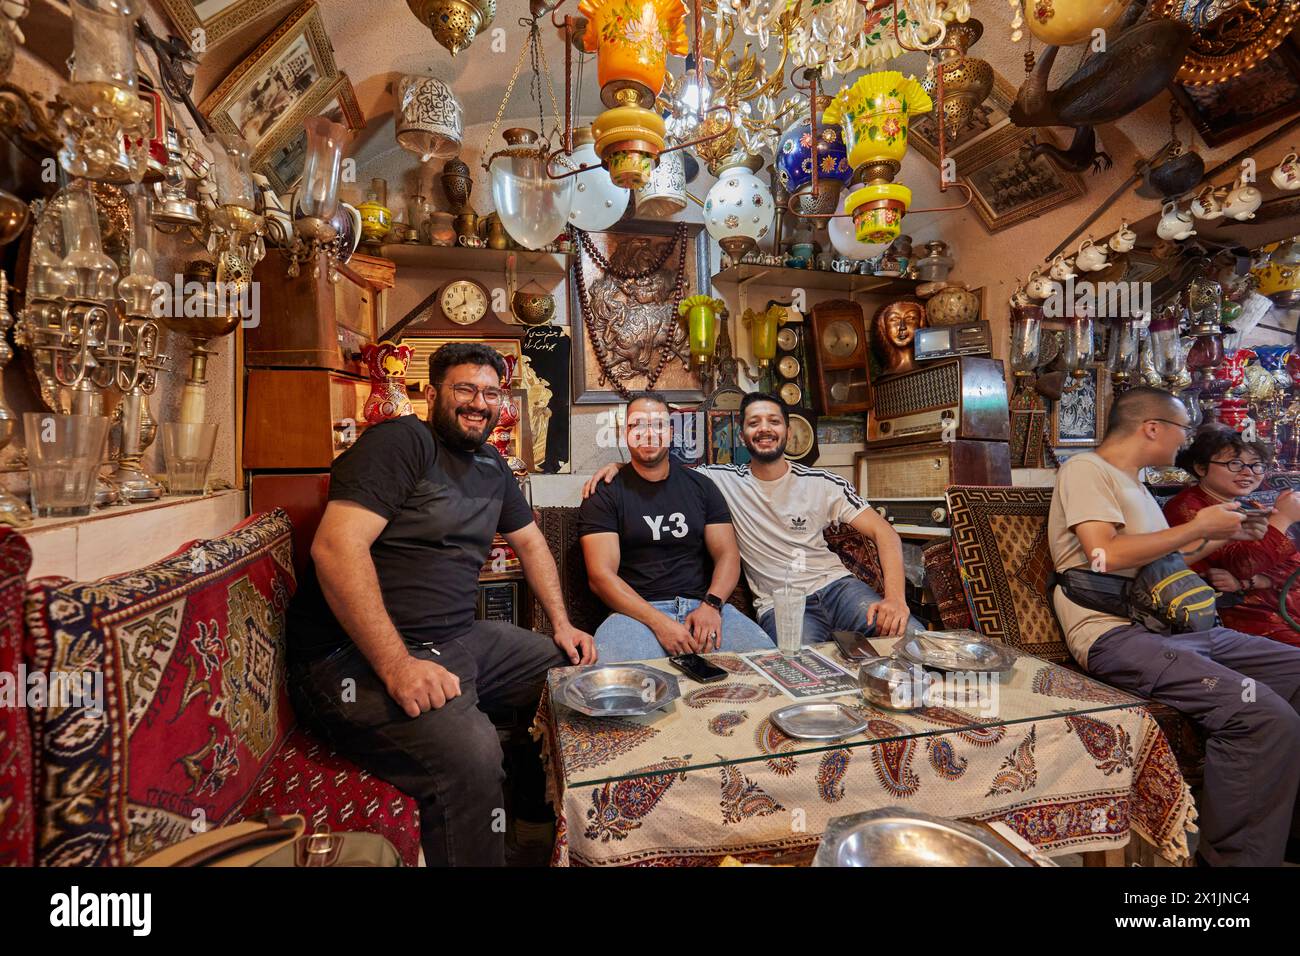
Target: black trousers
<point x="448" y="759"/>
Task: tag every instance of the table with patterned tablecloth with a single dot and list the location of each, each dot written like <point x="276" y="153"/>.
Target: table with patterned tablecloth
<point x="1068" y="763"/>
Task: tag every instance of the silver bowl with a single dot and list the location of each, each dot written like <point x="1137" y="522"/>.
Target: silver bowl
<point x="897" y="837"/>
<point x="889" y="682"/>
<point x="619" y="690"/>
<point x="956" y="651"/>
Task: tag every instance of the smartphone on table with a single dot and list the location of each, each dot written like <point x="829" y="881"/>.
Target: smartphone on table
<point x="697" y="668"/>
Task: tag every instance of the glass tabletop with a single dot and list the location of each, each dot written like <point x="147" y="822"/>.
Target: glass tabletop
<point x="731" y="721"/>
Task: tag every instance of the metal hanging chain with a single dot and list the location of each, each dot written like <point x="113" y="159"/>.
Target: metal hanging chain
<point x="584" y="238"/>
<point x="501" y="110"/>
<point x="536" y="54"/>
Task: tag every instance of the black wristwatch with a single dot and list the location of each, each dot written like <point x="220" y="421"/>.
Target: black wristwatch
<point x="713" y="601"/>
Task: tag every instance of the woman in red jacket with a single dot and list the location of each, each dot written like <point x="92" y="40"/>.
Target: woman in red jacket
<point x="1229" y="467"/>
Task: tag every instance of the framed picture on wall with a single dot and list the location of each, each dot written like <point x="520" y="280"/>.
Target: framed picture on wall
<point x="632" y="326"/>
<point x="990" y="117"/>
<point x="268" y="91"/>
<point x="217" y="19"/>
<point x="281" y="156"/>
<point x="1010" y="184"/>
<point x="1079" y="415"/>
<point x="547" y="355"/>
<point x="1231" y="109"/>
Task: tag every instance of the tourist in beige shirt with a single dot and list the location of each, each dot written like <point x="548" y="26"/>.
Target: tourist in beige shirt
<point x="1241" y="689"/>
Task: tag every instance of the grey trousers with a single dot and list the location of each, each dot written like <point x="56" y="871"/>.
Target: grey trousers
<point x="448" y="759"/>
<point x="1244" y="692"/>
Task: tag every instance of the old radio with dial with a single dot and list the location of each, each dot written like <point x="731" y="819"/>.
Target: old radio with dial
<point x="958" y="398"/>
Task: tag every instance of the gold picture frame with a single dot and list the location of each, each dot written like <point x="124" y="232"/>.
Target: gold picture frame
<point x="280" y="158"/>
<point x="1009" y="186"/>
<point x="990" y="118"/>
<point x="273" y="84"/>
<point x="219" y="20"/>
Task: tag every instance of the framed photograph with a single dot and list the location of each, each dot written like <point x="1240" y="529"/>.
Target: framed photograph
<point x="632" y="325"/>
<point x="1079" y="416"/>
<point x="991" y="116"/>
<point x="273" y="84"/>
<point x="1009" y="184"/>
<point x="217" y="19"/>
<point x="282" y="154"/>
<point x="1231" y="109"/>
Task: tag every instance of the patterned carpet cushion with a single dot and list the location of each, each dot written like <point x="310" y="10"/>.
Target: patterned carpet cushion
<point x="999" y="535"/>
<point x="857" y="553"/>
<point x="944" y="581"/>
<point x="17" y="813"/>
<point x="185" y="662"/>
<point x="306" y="777"/>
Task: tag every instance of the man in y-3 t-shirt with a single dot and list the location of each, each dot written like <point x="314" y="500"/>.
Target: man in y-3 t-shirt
<point x="386" y="659"/>
<point x="648" y="539"/>
<point x="780" y="511"/>
<point x="1243" y="690"/>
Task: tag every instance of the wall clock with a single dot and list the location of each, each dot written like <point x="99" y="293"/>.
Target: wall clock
<point x="801" y="437"/>
<point x="839" y="357"/>
<point x="463" y="301"/>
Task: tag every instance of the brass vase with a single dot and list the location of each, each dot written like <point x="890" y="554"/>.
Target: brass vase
<point x="457" y="183"/>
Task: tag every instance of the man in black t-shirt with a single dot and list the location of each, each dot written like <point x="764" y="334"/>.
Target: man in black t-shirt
<point x="387" y="662"/>
<point x="649" y="538"/>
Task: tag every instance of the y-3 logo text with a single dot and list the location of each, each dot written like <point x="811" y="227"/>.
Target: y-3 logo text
<point x="676" y="525"/>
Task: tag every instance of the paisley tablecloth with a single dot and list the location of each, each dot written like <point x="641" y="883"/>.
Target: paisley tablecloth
<point x="680" y="787"/>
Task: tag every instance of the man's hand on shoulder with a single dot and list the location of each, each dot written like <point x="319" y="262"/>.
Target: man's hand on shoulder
<point x="606" y="475"/>
<point x="578" y="645"/>
<point x="419" y="685"/>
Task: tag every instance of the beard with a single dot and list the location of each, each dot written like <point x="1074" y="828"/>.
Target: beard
<point x="451" y="425"/>
<point x="766" y="457"/>
<point x="650" y="455"/>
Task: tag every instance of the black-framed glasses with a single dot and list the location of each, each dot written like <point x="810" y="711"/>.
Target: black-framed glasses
<point x="1187" y="429"/>
<point x="1237" y="466"/>
<point x="465" y="393"/>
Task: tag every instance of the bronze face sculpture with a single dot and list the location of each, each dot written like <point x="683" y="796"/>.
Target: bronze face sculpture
<point x="893" y="329"/>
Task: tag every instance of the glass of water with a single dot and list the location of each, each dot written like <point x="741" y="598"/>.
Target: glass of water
<point x="187" y="450"/>
<point x="788" y="606"/>
<point x="64" y="453"/>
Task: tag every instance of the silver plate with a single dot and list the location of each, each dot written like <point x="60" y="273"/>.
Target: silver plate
<point x="956" y="651"/>
<point x="818" y="721"/>
<point x="619" y="690"/>
<point x="897" y="837"/>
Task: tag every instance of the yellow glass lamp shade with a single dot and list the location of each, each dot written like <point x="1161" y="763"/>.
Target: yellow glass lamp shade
<point x="762" y="332"/>
<point x="632" y="40"/>
<point x="628" y="141"/>
<point x="878" y="211"/>
<point x="1062" y="22"/>
<point x="874" y="113"/>
<point x="701" y="314"/>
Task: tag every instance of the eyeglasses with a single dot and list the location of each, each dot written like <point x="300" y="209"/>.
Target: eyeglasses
<point x="1187" y="429"/>
<point x="1237" y="466"/>
<point x="465" y="393"/>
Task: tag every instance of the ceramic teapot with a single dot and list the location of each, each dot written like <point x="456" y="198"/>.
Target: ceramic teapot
<point x="1039" y="286"/>
<point x="1091" y="257"/>
<point x="1287" y="173"/>
<point x="1175" y="223"/>
<point x="1062" y="269"/>
<point x="1124" y="239"/>
<point x="1207" y="205"/>
<point x="1242" y="201"/>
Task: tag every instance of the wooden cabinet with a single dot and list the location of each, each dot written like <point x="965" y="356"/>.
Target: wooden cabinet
<point x="301" y="418"/>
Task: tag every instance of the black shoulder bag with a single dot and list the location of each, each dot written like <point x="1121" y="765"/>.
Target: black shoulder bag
<point x="1165" y="596"/>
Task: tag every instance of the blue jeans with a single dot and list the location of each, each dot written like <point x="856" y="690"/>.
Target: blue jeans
<point x="623" y="638"/>
<point x="840" y="606"/>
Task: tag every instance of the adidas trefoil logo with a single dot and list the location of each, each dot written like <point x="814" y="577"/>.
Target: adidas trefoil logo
<point x="798" y="523"/>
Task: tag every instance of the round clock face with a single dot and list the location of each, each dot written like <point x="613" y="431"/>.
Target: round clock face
<point x="800" y="439"/>
<point x="840" y="339"/>
<point x="787" y="339"/>
<point x="788" y="366"/>
<point x="463" y="301"/>
<point x="791" y="393"/>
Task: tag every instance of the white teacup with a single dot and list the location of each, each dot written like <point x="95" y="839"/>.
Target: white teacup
<point x="1287" y="173"/>
<point x="1124" y="239"/>
<point x="1039" y="286"/>
<point x="1091" y="257"/>
<point x="1062" y="269"/>
<point x="1175" y="223"/>
<point x="1207" y="205"/>
<point x="1243" y="201"/>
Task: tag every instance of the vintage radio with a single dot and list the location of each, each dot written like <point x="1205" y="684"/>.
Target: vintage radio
<point x="501" y="601"/>
<point x="926" y="471"/>
<point x="301" y="418"/>
<point x="953" y="398"/>
<point x="839" y="357"/>
<point x="945" y="341"/>
<point x="307" y="321"/>
<point x="790" y="367"/>
<point x="916" y="512"/>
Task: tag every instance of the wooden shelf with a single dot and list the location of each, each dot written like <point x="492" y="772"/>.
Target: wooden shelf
<point x="460" y="259"/>
<point x="782" y="278"/>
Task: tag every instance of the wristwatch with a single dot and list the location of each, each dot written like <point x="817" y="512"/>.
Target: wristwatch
<point x="713" y="601"/>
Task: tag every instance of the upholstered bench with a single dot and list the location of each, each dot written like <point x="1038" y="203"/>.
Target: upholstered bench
<point x="193" y="728"/>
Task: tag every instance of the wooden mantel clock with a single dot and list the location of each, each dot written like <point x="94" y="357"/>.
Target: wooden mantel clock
<point x="839" y="357"/>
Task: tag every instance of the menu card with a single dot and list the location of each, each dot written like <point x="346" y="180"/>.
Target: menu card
<point x="803" y="676"/>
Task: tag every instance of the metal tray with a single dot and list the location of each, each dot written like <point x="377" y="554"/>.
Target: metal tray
<point x="956" y="651"/>
<point x="896" y="837"/>
<point x="619" y="690"/>
<point x="818" y="721"/>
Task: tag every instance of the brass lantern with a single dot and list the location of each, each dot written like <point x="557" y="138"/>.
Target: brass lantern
<point x="454" y="23"/>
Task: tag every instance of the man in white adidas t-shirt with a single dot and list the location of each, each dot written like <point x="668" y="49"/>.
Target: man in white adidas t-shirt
<point x="779" y="511"/>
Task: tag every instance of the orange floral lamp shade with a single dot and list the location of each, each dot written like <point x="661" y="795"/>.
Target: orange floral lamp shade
<point x="632" y="39"/>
